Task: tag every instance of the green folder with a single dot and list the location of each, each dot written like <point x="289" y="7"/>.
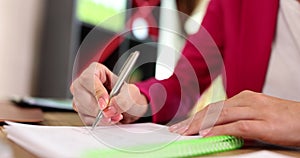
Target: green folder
<point x="182" y="148"/>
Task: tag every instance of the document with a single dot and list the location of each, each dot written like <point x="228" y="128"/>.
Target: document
<point x="67" y="141"/>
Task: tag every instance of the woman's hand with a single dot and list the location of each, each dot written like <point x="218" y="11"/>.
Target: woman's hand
<point x="91" y="93"/>
<point x="249" y="115"/>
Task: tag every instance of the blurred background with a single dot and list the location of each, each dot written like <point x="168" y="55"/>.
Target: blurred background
<point x="39" y="39"/>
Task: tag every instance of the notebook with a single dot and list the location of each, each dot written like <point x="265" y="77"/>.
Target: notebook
<point x="132" y="140"/>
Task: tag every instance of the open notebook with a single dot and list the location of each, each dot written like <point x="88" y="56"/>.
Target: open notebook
<point x="133" y="140"/>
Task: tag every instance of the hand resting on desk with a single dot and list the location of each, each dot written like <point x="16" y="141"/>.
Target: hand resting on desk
<point x="91" y="92"/>
<point x="250" y="115"/>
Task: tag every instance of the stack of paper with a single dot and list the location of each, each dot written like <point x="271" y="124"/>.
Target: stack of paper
<point x="64" y="141"/>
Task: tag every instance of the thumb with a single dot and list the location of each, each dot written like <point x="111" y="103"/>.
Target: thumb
<point x="100" y="93"/>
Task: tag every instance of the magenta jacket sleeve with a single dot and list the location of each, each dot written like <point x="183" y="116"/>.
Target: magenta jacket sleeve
<point x="201" y="61"/>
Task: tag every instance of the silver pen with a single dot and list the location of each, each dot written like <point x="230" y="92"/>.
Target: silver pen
<point x="124" y="72"/>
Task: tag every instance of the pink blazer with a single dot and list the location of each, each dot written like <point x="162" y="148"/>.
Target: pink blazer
<point x="243" y="31"/>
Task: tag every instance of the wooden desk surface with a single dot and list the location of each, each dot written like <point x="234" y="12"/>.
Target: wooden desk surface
<point x="72" y="119"/>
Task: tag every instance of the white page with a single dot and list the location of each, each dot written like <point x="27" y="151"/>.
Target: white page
<point x="48" y="141"/>
<point x="64" y="141"/>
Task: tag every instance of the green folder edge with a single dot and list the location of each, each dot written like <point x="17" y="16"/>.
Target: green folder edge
<point x="182" y="148"/>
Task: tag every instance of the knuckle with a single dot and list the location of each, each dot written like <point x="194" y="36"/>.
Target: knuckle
<point x="71" y="88"/>
<point x="75" y="88"/>
<point x="190" y="131"/>
<point x="247" y="93"/>
<point x="93" y="65"/>
<point x="257" y="98"/>
<point x="74" y="106"/>
<point x="224" y="113"/>
<point x="85" y="77"/>
<point x="243" y="127"/>
<point x="253" y="96"/>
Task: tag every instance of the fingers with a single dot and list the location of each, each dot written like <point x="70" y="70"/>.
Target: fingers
<point x="214" y="116"/>
<point x="127" y="118"/>
<point x="84" y="102"/>
<point x="189" y="126"/>
<point x="113" y="111"/>
<point x="86" y="119"/>
<point x="110" y="111"/>
<point x="100" y="92"/>
<point x="119" y="103"/>
<point x="89" y="91"/>
<point x="93" y="80"/>
<point x="250" y="129"/>
<point x="89" y="120"/>
<point x="232" y="114"/>
<point x="117" y="118"/>
<point x="105" y="121"/>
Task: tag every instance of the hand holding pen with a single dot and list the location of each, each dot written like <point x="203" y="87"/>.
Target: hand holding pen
<point x="124" y="73"/>
<point x="125" y="103"/>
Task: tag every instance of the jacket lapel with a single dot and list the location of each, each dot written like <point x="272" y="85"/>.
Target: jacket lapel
<point x="257" y="33"/>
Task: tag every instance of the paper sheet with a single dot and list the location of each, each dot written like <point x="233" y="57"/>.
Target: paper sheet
<point x="65" y="141"/>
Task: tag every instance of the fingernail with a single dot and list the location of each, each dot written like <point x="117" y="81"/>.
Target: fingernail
<point x="120" y="117"/>
<point x="204" y="133"/>
<point x="182" y="129"/>
<point x="110" y="111"/>
<point x="117" y="118"/>
<point x="102" y="103"/>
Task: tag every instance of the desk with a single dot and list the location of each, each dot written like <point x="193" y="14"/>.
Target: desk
<point x="72" y="119"/>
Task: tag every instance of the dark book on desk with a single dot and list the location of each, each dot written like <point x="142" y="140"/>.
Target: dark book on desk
<point x="47" y="104"/>
<point x="11" y="112"/>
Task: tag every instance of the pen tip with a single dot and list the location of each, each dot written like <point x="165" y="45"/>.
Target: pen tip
<point x="93" y="127"/>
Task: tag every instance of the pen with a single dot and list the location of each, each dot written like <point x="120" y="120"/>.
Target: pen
<point x="124" y="72"/>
